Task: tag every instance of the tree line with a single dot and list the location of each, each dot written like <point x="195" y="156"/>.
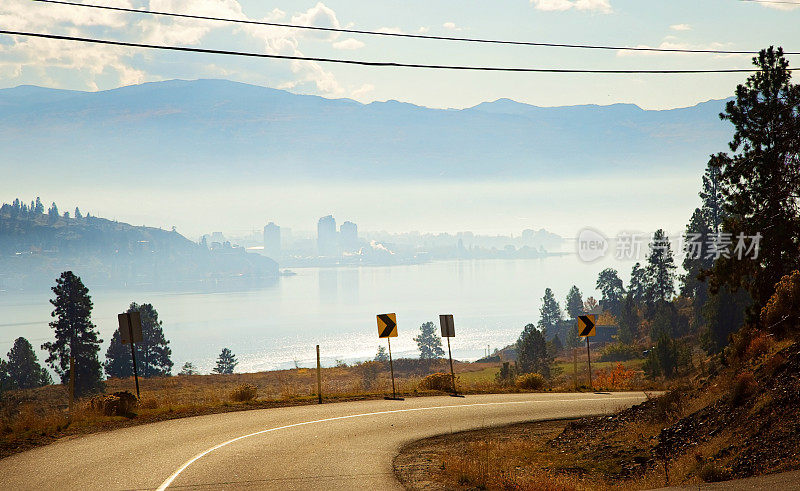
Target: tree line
<point x="77" y="337"/>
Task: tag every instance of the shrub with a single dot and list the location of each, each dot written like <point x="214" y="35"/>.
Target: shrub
<point x="760" y="345"/>
<point x="116" y="404"/>
<point x="531" y="381"/>
<point x="669" y="405"/>
<point x="437" y="381"/>
<point x="620" y="352"/>
<point x="369" y="373"/>
<point x="744" y="386"/>
<point x="711" y="472"/>
<point x="244" y="393"/>
<point x="617" y="378"/>
<point x="507" y="375"/>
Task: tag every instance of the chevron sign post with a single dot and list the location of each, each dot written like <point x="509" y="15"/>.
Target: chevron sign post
<point x="387" y="328"/>
<point x="587" y="326"/>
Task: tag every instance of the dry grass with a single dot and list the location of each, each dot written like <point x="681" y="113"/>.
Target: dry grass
<point x="38" y="416"/>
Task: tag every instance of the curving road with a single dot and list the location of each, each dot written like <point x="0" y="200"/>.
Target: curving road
<point x="332" y="446"/>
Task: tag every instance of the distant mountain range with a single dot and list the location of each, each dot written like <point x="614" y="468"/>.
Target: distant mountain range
<point x="234" y="132"/>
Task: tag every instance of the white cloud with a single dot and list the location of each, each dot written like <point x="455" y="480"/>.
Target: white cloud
<point x="451" y="26"/>
<point x="680" y="27"/>
<point x="318" y="16"/>
<point x="45" y="61"/>
<point x="602" y="6"/>
<point x="779" y="6"/>
<point x="348" y="44"/>
<point x="359" y="93"/>
<point x="423" y="29"/>
<point x="391" y="30"/>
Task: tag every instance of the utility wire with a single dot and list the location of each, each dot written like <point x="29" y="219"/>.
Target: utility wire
<point x="403" y="35"/>
<point x="364" y="63"/>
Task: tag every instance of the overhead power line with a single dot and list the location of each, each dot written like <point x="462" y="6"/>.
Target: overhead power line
<point x="364" y="63"/>
<point x="404" y="35"/>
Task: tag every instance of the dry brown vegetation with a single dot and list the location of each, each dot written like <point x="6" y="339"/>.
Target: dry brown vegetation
<point x="39" y="416"/>
<point x="738" y="416"/>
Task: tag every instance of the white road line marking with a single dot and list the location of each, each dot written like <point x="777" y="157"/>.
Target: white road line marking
<point x="199" y="456"/>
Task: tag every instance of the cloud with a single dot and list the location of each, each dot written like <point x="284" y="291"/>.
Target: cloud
<point x="360" y="92"/>
<point x="348" y="44"/>
<point x="779" y="6"/>
<point x="77" y="65"/>
<point x="451" y="26"/>
<point x="602" y="6"/>
<point x="391" y="30"/>
<point x="680" y="27"/>
<point x="318" y="16"/>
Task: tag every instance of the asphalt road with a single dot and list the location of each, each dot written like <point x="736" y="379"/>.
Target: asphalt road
<point x="331" y="446"/>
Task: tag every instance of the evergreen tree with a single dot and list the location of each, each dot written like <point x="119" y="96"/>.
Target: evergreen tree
<point x="711" y="194"/>
<point x="188" y="369"/>
<point x="152" y="353"/>
<point x="75" y="335"/>
<point x="637" y="287"/>
<point x="550" y="312"/>
<point x="661" y="267"/>
<point x="724" y="314"/>
<point x="381" y="356"/>
<point x="23" y="367"/>
<point x="610" y="285"/>
<point x="6" y="383"/>
<point x="226" y="362"/>
<point x="532" y="352"/>
<point x="574" y="303"/>
<point x="696" y="262"/>
<point x="39" y="207"/>
<point x="663" y="359"/>
<point x="428" y="343"/>
<point x="628" y="321"/>
<point x="574" y="306"/>
<point x="78" y="213"/>
<point x="760" y="180"/>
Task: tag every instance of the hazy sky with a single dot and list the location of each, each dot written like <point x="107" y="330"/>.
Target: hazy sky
<point x="722" y="24"/>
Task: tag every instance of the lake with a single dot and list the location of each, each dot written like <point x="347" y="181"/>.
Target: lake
<point x="278" y="325"/>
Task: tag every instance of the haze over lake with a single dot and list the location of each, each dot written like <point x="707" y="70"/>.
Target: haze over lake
<point x="273" y="326"/>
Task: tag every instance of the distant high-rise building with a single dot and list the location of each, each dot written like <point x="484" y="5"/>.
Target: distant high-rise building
<point x="272" y="241"/>
<point x="327" y="238"/>
<point x="348" y="236"/>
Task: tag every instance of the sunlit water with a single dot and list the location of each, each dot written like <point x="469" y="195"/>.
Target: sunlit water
<point x="279" y="325"/>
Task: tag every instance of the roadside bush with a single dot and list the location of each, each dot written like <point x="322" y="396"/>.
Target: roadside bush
<point x="437" y="381"/>
<point x="244" y="393"/>
<point x="116" y="404"/>
<point x="507" y="375"/>
<point x="744" y="386"/>
<point x="369" y="373"/>
<point x="711" y="472"/>
<point x="531" y="381"/>
<point x="617" y="378"/>
<point x="760" y="345"/>
<point x="620" y="352"/>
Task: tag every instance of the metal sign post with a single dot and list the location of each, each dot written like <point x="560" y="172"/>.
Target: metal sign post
<point x="449" y="331"/>
<point x="319" y="379"/>
<point x="130" y="331"/>
<point x="387" y="328"/>
<point x="587" y="326"/>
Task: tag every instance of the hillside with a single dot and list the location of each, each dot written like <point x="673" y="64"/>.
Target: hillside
<point x="218" y="129"/>
<point x="36" y="247"/>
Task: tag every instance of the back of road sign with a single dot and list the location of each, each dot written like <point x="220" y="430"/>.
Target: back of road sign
<point x="136" y="326"/>
<point x="447" y="325"/>
<point x="387" y="326"/>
